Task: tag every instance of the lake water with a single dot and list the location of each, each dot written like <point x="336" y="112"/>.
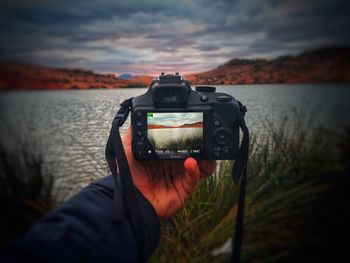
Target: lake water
<point x="70" y="128"/>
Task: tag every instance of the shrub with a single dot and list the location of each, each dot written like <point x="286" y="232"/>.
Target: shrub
<point x="25" y="191"/>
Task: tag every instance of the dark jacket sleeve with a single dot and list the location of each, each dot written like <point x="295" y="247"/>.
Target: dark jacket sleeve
<point x="81" y="230"/>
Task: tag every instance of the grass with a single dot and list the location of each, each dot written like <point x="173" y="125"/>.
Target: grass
<point x="188" y="142"/>
<point x="296" y="206"/>
<point x="26" y="190"/>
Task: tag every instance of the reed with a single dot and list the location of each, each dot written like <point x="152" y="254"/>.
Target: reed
<point x="189" y="142"/>
<point x="26" y="189"/>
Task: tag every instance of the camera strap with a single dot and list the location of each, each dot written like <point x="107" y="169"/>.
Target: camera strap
<point x="239" y="173"/>
<point x="125" y="190"/>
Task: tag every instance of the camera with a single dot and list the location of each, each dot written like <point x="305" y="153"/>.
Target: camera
<point x="173" y="121"/>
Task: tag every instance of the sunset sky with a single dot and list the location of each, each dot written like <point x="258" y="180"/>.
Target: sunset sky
<point x="150" y="36"/>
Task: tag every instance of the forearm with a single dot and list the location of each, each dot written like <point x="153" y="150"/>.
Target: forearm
<point x="82" y="230"/>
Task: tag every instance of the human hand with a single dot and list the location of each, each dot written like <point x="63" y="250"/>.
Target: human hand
<point x="166" y="184"/>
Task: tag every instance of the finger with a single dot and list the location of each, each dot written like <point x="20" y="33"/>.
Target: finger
<point x="206" y="168"/>
<point x="127" y="137"/>
<point x="127" y="148"/>
<point x="192" y="175"/>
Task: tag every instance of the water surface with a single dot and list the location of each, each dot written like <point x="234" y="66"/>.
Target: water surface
<point x="70" y="128"/>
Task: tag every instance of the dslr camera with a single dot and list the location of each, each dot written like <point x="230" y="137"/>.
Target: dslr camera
<point x="172" y="121"/>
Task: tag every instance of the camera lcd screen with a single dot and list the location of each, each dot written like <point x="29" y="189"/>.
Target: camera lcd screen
<point x="175" y="134"/>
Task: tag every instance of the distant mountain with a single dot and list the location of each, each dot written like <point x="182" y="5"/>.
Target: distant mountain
<point x="125" y="76"/>
<point x="318" y="66"/>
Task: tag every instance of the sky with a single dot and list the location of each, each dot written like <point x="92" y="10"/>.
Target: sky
<point x="175" y="119"/>
<point x="153" y="36"/>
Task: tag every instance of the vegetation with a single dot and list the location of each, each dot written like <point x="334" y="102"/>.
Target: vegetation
<point x="242" y="61"/>
<point x="189" y="142"/>
<point x="26" y="191"/>
<point x="296" y="205"/>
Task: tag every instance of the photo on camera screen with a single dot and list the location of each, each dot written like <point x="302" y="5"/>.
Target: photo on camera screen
<point x="175" y="132"/>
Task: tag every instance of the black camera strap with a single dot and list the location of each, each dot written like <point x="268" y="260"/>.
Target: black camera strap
<point x="125" y="190"/>
<point x="239" y="173"/>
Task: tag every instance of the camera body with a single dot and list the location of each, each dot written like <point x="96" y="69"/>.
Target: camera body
<point x="172" y="121"/>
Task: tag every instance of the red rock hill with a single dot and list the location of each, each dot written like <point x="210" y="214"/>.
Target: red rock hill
<point x="326" y="65"/>
<point x="31" y="77"/>
<point x="189" y="125"/>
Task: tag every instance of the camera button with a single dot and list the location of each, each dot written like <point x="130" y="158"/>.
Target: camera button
<point x="217" y="123"/>
<point x="204" y="98"/>
<point x="139" y="133"/>
<point x="139" y="143"/>
<point x="224" y="98"/>
<point x="139" y="123"/>
<point x="227" y="150"/>
<point x="216" y="154"/>
<point x="222" y="136"/>
<point x="139" y="113"/>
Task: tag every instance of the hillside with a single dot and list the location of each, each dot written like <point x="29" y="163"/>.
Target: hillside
<point x="140" y="81"/>
<point x="192" y="125"/>
<point x="189" y="125"/>
<point x="318" y="66"/>
<point x="326" y="65"/>
<point x="31" y="77"/>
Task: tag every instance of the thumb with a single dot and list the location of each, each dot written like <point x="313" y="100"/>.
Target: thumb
<point x="192" y="175"/>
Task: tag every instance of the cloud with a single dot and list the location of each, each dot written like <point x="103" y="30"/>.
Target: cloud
<point x="149" y="36"/>
<point x="175" y="119"/>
